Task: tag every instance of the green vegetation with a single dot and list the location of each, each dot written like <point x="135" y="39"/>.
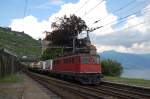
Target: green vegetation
<point x="64" y="33"/>
<point x="51" y="53"/>
<point x="14" y="78"/>
<point x="19" y="43"/>
<point x="129" y="81"/>
<point x="65" y="29"/>
<point x="111" y="67"/>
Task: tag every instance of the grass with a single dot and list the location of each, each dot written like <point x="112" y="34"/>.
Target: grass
<point x="15" y="78"/>
<point x="129" y="81"/>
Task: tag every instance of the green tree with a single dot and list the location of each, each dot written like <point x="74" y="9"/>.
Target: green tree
<point x="51" y="53"/>
<point x="65" y="28"/>
<point x="111" y="67"/>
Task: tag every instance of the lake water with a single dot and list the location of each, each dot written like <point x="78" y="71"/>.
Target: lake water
<point x="141" y="73"/>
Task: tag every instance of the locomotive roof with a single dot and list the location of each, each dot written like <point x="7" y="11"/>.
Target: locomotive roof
<point x="79" y="54"/>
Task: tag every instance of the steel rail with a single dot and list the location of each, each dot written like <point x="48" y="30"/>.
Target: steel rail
<point x="103" y="91"/>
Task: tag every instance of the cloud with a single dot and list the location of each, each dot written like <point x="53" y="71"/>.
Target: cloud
<point x="31" y="23"/>
<point x="133" y="40"/>
<point x="126" y="37"/>
<point x="139" y="48"/>
<point x="31" y="26"/>
<point x="134" y="36"/>
<point x="89" y="17"/>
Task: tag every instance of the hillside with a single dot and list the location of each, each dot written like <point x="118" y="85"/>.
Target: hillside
<point x="19" y="43"/>
<point x="128" y="60"/>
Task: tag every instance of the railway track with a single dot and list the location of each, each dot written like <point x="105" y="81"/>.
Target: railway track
<point x="135" y="91"/>
<point x="68" y="90"/>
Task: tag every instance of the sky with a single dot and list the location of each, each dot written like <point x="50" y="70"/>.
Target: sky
<point x="125" y="24"/>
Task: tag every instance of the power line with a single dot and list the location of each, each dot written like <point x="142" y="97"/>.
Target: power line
<point x="107" y="28"/>
<point x="131" y="26"/>
<point x="94" y="7"/>
<point x="82" y="6"/>
<point x="117" y="10"/>
<point x="122" y="18"/>
<point x="25" y="8"/>
<point x="24" y="14"/>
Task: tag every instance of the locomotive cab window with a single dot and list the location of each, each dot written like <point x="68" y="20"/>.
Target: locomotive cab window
<point x="97" y="60"/>
<point x="85" y="60"/>
<point x="90" y="60"/>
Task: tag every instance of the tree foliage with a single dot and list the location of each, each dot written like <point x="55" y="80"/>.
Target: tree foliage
<point x="65" y="28"/>
<point x="111" y="67"/>
<point x="51" y="53"/>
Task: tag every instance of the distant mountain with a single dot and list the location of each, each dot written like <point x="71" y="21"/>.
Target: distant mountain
<point x="128" y="60"/>
<point x="19" y="43"/>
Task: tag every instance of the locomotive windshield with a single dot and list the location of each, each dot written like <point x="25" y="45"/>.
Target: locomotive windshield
<point x="90" y="60"/>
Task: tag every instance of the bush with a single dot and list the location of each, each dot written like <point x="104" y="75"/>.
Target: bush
<point x="111" y="68"/>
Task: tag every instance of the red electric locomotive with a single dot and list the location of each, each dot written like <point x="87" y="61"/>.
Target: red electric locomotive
<point x="84" y="68"/>
<point x="82" y="64"/>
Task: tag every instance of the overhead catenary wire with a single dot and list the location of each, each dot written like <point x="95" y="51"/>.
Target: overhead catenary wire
<point x="25" y="8"/>
<point x="107" y="33"/>
<point x="94" y="7"/>
<point x="108" y="27"/>
<point x="130" y="26"/>
<point x="82" y="6"/>
<point x="24" y="13"/>
<point x="121" y="8"/>
<point x="117" y="10"/>
<point x="121" y="19"/>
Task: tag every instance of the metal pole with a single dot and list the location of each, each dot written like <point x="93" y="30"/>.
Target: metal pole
<point x="74" y="44"/>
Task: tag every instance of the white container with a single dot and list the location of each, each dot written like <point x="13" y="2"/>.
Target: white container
<point x="49" y="64"/>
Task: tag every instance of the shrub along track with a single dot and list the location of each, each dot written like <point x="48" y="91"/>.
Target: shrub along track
<point x="68" y="90"/>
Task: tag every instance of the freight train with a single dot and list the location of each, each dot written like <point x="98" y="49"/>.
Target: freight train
<point x="83" y="68"/>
